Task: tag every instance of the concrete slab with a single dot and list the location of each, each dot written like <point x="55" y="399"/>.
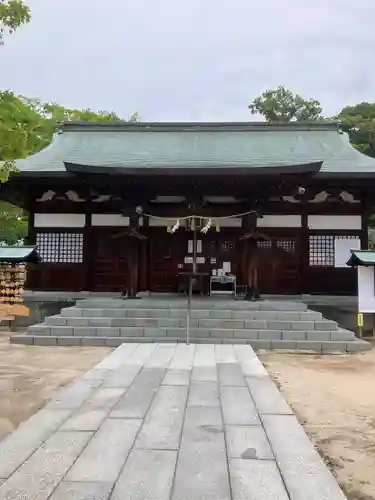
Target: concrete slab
<point x="169" y="422"/>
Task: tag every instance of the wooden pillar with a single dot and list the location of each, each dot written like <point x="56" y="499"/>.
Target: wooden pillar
<point x="365" y="216"/>
<point x="32" y="270"/>
<point x="88" y="251"/>
<point x="304" y="252"/>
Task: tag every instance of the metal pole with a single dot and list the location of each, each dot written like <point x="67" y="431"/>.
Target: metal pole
<point x="194" y="245"/>
<point x="189" y="311"/>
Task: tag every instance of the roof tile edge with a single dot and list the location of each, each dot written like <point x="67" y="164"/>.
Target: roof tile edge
<point x="80" y="126"/>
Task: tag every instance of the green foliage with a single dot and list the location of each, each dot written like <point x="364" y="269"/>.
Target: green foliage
<point x="13" y="14"/>
<point x="281" y="105"/>
<point x="13" y="224"/>
<point x="26" y="127"/>
<point x="359" y="122"/>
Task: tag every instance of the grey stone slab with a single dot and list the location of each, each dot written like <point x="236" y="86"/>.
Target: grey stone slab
<point x="230" y="374"/>
<point x="45" y="340"/>
<point x="93" y="341"/>
<point x="131" y="331"/>
<point x="162" y="427"/>
<point x="22" y="339"/>
<point x="92" y="313"/>
<point x="107" y="331"/>
<point x="230" y="324"/>
<point x="238" y="406"/>
<point x="256" y="480"/>
<point x="117" y="341"/>
<point x="104" y="398"/>
<point x="147" y="474"/>
<point x="358" y="346"/>
<point x="56" y="320"/>
<point x="247" y="334"/>
<point x="325" y="325"/>
<point x="267" y="397"/>
<point x="69" y="341"/>
<point x="38" y="477"/>
<point x="18" y="446"/>
<point x="205" y="477"/>
<point x="137" y="400"/>
<point x="74" y="395"/>
<point x="224" y="314"/>
<point x="106" y="453"/>
<point x="309" y="345"/>
<point x="117" y="358"/>
<point x="204" y="366"/>
<point x="302" y="326"/>
<point x="85" y="420"/>
<point x="256" y="324"/>
<point x="39" y="329"/>
<point x="310" y="316"/>
<point x="161" y="356"/>
<point x="155" y="332"/>
<point x="177" y="376"/>
<point x="85" y="331"/>
<point x="264" y="335"/>
<point x="78" y="321"/>
<point x="71" y="312"/>
<point x="261" y="344"/>
<point x="82" y="491"/>
<point x="204" y="394"/>
<point x="318" y="336"/>
<point x="304" y="473"/>
<point x="334" y="346"/>
<point x="102" y="322"/>
<point x="248" y="442"/>
<point x="286" y="345"/>
<point x="342" y="335"/>
<point x="249" y="361"/>
<point x="123" y="376"/>
<point x="293" y="335"/>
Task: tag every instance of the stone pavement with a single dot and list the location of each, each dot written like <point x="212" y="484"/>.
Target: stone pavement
<point x="166" y="421"/>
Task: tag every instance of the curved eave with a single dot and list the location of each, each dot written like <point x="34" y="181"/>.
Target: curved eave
<point x="17" y="255"/>
<point x="361" y="258"/>
<point x="226" y="170"/>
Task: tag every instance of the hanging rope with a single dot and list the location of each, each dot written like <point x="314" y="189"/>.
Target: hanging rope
<point x="201" y="217"/>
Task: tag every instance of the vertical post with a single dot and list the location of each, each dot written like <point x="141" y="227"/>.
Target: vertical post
<point x="194" y="245"/>
<point x="188" y="316"/>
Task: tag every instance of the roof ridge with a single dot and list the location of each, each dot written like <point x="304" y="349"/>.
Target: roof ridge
<point x="199" y="126"/>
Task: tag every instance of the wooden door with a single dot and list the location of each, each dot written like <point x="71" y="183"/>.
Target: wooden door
<point x="280" y="265"/>
<point x="108" y="261"/>
<point x="166" y="254"/>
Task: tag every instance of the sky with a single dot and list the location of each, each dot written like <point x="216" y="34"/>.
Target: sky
<point x="192" y="60"/>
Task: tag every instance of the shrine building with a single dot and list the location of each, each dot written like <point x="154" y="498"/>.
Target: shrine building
<point x="102" y="199"/>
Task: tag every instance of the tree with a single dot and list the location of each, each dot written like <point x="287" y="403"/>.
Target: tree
<point x="281" y="105"/>
<point x="26" y="127"/>
<point x="13" y="14"/>
<point x="359" y="122"/>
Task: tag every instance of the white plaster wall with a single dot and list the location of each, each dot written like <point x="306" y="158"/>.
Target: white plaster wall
<point x="234" y="222"/>
<point x="59" y="220"/>
<point x="109" y="220"/>
<point x="280" y="221"/>
<point x="338" y="222"/>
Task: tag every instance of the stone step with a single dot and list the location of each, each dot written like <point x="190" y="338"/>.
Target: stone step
<point x="207" y="333"/>
<point x="102" y="312"/>
<point x="326" y="347"/>
<point x="203" y="303"/>
<point x="233" y="324"/>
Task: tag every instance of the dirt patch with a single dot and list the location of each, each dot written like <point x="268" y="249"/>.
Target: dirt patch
<point x="31" y="375"/>
<point x="334" y="399"/>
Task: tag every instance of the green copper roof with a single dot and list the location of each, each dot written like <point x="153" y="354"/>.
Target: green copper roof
<point x="133" y="147"/>
<point x="361" y="258"/>
<point x="19" y="254"/>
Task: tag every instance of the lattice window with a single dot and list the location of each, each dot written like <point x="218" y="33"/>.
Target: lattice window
<point x="60" y="247"/>
<point x="264" y="244"/>
<point x="289" y="245"/>
<point x="322" y="249"/>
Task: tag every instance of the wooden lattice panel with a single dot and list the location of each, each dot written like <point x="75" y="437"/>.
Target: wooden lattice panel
<point x="60" y="247"/>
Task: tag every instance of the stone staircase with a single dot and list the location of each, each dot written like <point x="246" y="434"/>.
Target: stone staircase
<point x="265" y="324"/>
